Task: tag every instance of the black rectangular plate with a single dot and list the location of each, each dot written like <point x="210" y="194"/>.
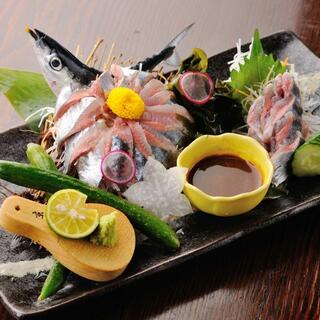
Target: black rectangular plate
<point x="199" y="232"/>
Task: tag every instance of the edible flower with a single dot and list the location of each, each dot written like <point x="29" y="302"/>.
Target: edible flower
<point x="160" y="190"/>
<point x="125" y="103"/>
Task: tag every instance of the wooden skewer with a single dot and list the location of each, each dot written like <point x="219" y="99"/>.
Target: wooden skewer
<point x="93" y="51"/>
<point x="107" y="64"/>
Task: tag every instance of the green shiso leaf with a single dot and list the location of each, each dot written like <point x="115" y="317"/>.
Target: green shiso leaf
<point x="255" y="71"/>
<point x="27" y="93"/>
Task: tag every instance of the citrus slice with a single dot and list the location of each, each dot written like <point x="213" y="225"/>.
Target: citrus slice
<point x="68" y="216"/>
<point x="196" y="87"/>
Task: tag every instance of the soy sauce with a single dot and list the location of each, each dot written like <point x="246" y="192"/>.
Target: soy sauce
<point x="225" y="175"/>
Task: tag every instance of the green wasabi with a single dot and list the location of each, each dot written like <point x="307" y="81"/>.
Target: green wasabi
<point x="106" y="234"/>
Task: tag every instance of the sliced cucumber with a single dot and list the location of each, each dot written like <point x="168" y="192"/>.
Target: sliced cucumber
<point x="306" y="159"/>
<point x="51" y="181"/>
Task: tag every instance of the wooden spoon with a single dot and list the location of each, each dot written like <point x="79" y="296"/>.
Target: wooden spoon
<point x="94" y="262"/>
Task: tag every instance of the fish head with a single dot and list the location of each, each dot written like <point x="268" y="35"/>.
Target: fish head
<point x="59" y="66"/>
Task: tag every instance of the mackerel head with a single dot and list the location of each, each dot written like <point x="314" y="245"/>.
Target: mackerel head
<point x="60" y="67"/>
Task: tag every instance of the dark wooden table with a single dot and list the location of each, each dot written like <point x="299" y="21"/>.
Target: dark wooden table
<point x="272" y="274"/>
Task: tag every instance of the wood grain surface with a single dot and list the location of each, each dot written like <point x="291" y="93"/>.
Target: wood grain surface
<point x="273" y="274"/>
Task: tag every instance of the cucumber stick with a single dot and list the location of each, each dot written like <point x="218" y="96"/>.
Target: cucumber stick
<point x="306" y="159"/>
<point x="54" y="280"/>
<point x="50" y="181"/>
<point x="39" y="158"/>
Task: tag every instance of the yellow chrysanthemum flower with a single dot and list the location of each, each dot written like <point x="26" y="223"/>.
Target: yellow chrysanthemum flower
<point x="125" y="103"/>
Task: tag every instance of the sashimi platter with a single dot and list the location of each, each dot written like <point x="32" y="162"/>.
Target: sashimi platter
<point x="124" y="169"/>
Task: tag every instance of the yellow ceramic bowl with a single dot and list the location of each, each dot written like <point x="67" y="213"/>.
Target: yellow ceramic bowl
<point x="231" y="144"/>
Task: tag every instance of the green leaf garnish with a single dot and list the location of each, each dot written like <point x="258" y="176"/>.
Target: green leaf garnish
<point x="254" y="73"/>
<point x="27" y="92"/>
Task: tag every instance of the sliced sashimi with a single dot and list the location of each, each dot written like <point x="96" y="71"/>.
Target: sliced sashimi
<point x="139" y="139"/>
<point x="171" y="109"/>
<point x="65" y="123"/>
<point x="86" y="129"/>
<point x="88" y="142"/>
<point x="118" y="75"/>
<point x="275" y="120"/>
<point x="151" y="88"/>
<point x="161" y="127"/>
<point x="158" y="140"/>
<point x="123" y="132"/>
<point x="254" y="120"/>
<point x="87" y="118"/>
<point x="168" y="119"/>
<point x="160" y="97"/>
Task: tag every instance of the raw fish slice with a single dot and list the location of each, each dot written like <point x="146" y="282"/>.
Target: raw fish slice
<point x="253" y="119"/>
<point x="75" y="98"/>
<point x="161" y="97"/>
<point x="64" y="124"/>
<point x="134" y="82"/>
<point x="282" y="131"/>
<point x="63" y="97"/>
<point x="106" y="81"/>
<point x="88" y="165"/>
<point x="88" y="142"/>
<point x="69" y="147"/>
<point x="152" y="87"/>
<point x="279" y="121"/>
<point x="167" y="119"/>
<point x="161" y="127"/>
<point x="280" y="158"/>
<point x="88" y="168"/>
<point x="283" y="85"/>
<point x="139" y="161"/>
<point x="267" y="94"/>
<point x="118" y="75"/>
<point x="157" y="140"/>
<point x="139" y="138"/>
<point x="106" y="142"/>
<point x="171" y="109"/>
<point x="87" y="118"/>
<point x="95" y="90"/>
<point x="277" y="112"/>
<point x="122" y="130"/>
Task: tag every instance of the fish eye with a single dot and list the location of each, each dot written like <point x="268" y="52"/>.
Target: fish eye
<point x="55" y="63"/>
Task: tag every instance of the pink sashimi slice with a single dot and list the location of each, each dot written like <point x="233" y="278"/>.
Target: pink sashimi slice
<point x="158" y="140"/>
<point x="122" y="130"/>
<point x="86" y="144"/>
<point x="94" y="91"/>
<point x="161" y="127"/>
<point x="277" y="112"/>
<point x="159" y="98"/>
<point x="134" y="82"/>
<point x="118" y="75"/>
<point x="167" y="119"/>
<point x="139" y="139"/>
<point x="170" y="109"/>
<point x="86" y="119"/>
<point x="253" y="119"/>
<point x="151" y="88"/>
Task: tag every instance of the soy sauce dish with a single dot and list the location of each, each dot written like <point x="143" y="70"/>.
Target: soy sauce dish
<point x="228" y="174"/>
